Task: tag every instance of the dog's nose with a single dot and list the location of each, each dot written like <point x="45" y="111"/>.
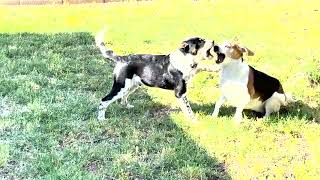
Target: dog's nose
<point x="194" y="65"/>
<point x="216" y="48"/>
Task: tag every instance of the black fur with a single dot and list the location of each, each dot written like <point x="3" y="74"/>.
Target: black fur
<point x="220" y="56"/>
<point x="153" y="70"/>
<point x="265" y="85"/>
<point x="116" y="87"/>
<point x="192" y="45"/>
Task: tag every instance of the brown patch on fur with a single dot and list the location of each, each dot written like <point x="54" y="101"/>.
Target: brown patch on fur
<point x="252" y="92"/>
<point x="183" y="45"/>
<point x="236" y="53"/>
<point x="249" y="52"/>
<point x="194" y="51"/>
<point x="250" y="85"/>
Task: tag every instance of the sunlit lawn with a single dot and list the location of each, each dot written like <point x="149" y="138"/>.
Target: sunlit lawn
<point x="50" y="85"/>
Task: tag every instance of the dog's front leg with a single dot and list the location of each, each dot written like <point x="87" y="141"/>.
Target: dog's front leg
<point x="186" y="108"/>
<point x="102" y="110"/>
<point x="180" y="92"/>
<point x="124" y="99"/>
<point x="217" y="106"/>
<point x="238" y="114"/>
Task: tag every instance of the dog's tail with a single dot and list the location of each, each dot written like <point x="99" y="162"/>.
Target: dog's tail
<point x="107" y="53"/>
<point x="288" y="98"/>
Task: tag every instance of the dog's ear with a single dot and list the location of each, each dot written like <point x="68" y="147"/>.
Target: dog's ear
<point x="248" y="51"/>
<point x="184" y="47"/>
<point x="243" y="49"/>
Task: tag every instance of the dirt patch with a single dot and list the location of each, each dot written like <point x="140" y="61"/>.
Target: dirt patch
<point x="161" y="112"/>
<point x="93" y="166"/>
<point x="71" y="139"/>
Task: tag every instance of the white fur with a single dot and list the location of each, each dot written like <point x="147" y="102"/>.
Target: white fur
<point x="185" y="107"/>
<point x="202" y="53"/>
<point x="234" y="79"/>
<point x="182" y="62"/>
<point x="256" y="105"/>
<point x="118" y="67"/>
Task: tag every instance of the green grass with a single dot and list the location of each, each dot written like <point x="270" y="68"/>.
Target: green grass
<point x="51" y="83"/>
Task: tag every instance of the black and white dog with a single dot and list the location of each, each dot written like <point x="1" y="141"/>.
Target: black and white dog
<point x="245" y="87"/>
<point x="163" y="71"/>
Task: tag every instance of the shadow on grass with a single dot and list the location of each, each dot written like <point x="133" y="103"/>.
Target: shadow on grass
<point x="62" y="79"/>
<point x="297" y="109"/>
<point x="302" y="111"/>
<point x="164" y="148"/>
<point x="227" y="111"/>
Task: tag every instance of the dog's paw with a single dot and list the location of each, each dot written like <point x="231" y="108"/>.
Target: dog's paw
<point x="129" y="106"/>
<point x="101" y="116"/>
<point x="214" y="115"/>
<point x="238" y="120"/>
<point x="194" y="120"/>
<point x="264" y="118"/>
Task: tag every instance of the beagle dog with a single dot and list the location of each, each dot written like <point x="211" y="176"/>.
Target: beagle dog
<point x="245" y="87"/>
<point x="169" y="71"/>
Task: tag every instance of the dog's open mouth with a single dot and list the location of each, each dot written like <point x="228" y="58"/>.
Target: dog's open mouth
<point x="220" y="57"/>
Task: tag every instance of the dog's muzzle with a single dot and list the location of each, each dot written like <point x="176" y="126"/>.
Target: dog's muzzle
<point x="220" y="58"/>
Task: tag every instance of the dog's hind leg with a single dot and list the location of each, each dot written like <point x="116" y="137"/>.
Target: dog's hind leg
<point x="124" y="99"/>
<point x="119" y="89"/>
<point x="238" y="115"/>
<point x="135" y="84"/>
<point x="273" y="104"/>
